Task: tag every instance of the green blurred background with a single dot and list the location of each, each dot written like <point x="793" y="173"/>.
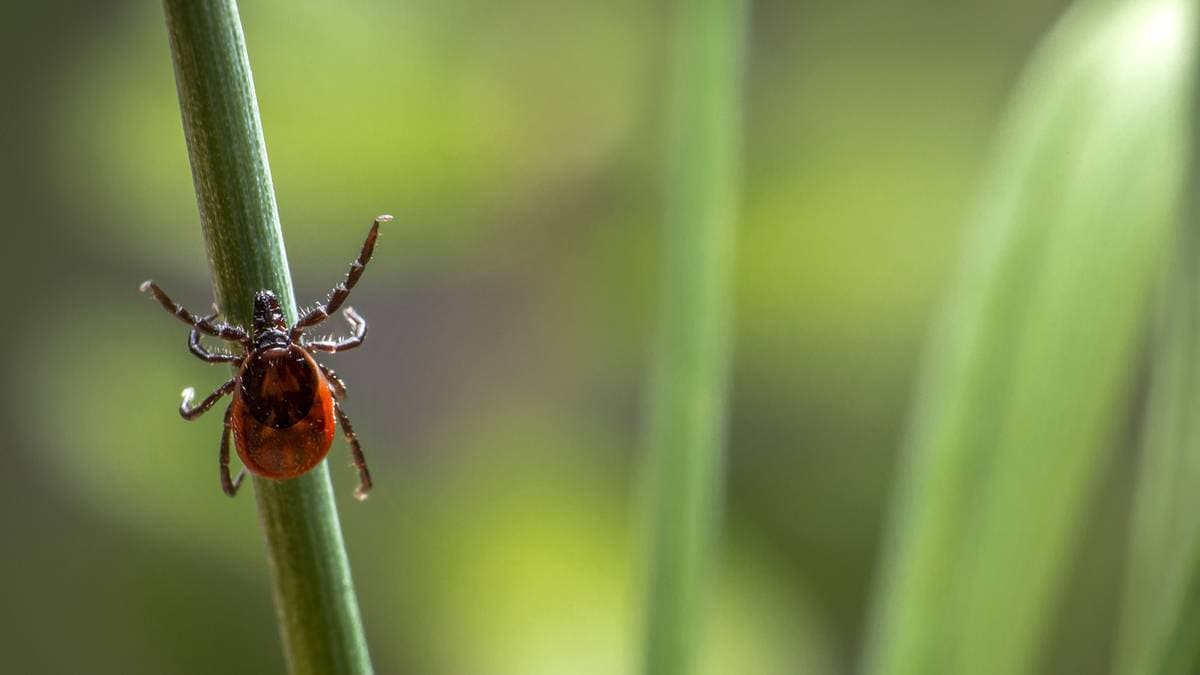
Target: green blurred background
<point x="511" y="304"/>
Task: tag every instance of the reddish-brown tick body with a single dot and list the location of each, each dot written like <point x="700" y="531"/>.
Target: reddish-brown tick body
<point x="282" y="413"/>
<point x="285" y="404"/>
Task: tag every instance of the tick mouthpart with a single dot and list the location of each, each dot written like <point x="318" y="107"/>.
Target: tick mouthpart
<point x="267" y="312"/>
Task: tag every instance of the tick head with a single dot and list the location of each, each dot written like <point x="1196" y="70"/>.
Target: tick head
<point x="267" y="312"/>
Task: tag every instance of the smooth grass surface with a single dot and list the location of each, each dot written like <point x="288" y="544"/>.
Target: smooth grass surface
<point x="1160" y="628"/>
<point x="686" y="436"/>
<point x="1029" y="374"/>
<point x="1161" y="615"/>
<point x="318" y="612"/>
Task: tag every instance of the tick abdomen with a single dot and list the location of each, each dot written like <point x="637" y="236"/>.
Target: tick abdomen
<point x="288" y="425"/>
<point x="279" y="385"/>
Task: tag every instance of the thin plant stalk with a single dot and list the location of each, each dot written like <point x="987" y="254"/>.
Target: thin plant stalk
<point x="1160" y="622"/>
<point x="314" y="594"/>
<point x="685" y="438"/>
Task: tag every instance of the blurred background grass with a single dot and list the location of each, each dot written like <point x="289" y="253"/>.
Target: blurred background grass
<point x="500" y="394"/>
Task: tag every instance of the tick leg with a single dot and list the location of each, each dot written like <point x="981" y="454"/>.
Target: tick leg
<point x="200" y="323"/>
<point x="360" y="462"/>
<point x="340" y="292"/>
<point x="335" y="383"/>
<point x="358" y="328"/>
<point x="189" y="393"/>
<point x="197" y="348"/>
<point x="229" y="486"/>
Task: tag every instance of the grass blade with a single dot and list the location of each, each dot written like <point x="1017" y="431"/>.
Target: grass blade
<point x="1160" y="630"/>
<point x="314" y="595"/>
<point x="1029" y="374"/>
<point x="685" y="439"/>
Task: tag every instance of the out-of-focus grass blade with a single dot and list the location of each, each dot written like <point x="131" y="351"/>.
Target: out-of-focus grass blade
<point x="1160" y="629"/>
<point x="1030" y="371"/>
<point x="683" y="469"/>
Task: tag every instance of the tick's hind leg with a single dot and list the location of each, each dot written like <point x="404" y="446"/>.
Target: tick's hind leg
<point x="229" y="486"/>
<point x="360" y="462"/>
<point x="188" y="394"/>
<point x="335" y="383"/>
<point x="342" y="291"/>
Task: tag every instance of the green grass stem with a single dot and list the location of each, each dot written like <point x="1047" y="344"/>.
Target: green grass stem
<point x="314" y="594"/>
<point x="685" y="438"/>
<point x="1160" y="628"/>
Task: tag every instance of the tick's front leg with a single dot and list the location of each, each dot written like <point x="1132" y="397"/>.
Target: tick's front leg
<point x="205" y="405"/>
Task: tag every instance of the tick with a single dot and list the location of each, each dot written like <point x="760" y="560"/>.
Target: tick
<point x="285" y="403"/>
